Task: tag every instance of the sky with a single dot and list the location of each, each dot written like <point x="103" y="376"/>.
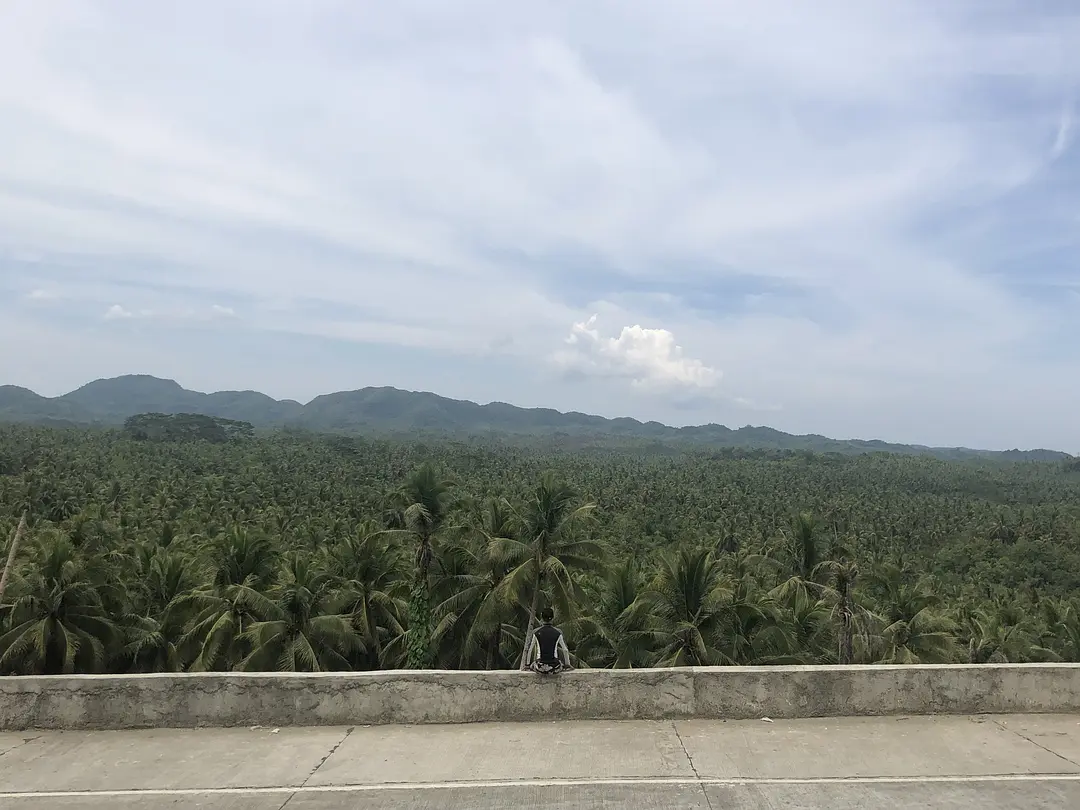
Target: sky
<point x="857" y="218"/>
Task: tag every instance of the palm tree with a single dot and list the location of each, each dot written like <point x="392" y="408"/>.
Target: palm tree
<point x="911" y="630"/>
<point x="58" y="624"/>
<point x="755" y="629"/>
<point x="1000" y="634"/>
<point x="839" y="592"/>
<point x="304" y="629"/>
<point x="689" y="601"/>
<point x="548" y="551"/>
<point x="422" y="503"/>
<point x="152" y="626"/>
<point x="1061" y="622"/>
<point x="617" y="633"/>
<point x="150" y="645"/>
<point x="475" y="618"/>
<point x="802" y="630"/>
<point x="242" y="567"/>
<point x="806" y="554"/>
<point x="366" y="568"/>
<point x="159" y="577"/>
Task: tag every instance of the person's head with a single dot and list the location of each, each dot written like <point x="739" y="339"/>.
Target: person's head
<point x="547" y="615"/>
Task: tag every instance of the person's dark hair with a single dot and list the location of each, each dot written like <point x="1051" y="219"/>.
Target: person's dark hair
<point x="547" y="615"/>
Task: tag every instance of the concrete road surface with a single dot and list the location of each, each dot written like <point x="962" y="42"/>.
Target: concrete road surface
<point x="1027" y="762"/>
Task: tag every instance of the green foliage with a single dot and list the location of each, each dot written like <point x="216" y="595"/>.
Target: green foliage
<point x="179" y="427"/>
<point x="297" y="551"/>
<point x="394" y="413"/>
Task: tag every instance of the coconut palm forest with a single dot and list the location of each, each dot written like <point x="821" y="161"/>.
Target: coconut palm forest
<point x="173" y="545"/>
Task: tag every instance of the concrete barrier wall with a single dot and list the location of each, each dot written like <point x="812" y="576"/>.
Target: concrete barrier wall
<point x="292" y="699"/>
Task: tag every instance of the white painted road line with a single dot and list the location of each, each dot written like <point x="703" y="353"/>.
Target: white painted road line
<point x="533" y="783"/>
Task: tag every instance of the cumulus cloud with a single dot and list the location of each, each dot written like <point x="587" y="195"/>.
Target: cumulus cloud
<point x="649" y="358"/>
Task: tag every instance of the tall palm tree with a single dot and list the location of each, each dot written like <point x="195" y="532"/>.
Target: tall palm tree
<point x="58" y="624"/>
<point x="806" y="546"/>
<point x="366" y="568"/>
<point x="617" y="633"/>
<point x="304" y="629"/>
<point x="1000" y="634"/>
<point x="242" y="566"/>
<point x="474" y="617"/>
<point x="689" y="601"/>
<point x="806" y="553"/>
<point x="1061" y="623"/>
<point x="801" y="631"/>
<point x="548" y="552"/>
<point x="150" y="645"/>
<point x="912" y="629"/>
<point x="152" y="628"/>
<point x="158" y="577"/>
<point x="847" y="614"/>
<point x="423" y="505"/>
<point x="756" y="629"/>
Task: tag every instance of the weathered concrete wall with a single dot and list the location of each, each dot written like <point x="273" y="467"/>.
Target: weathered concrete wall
<point x="238" y="699"/>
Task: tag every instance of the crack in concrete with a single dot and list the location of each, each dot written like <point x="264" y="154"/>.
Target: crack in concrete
<point x="315" y="770"/>
<point x="322" y="761"/>
<point x="26" y="741"/>
<point x="1037" y="745"/>
<point x="690" y="760"/>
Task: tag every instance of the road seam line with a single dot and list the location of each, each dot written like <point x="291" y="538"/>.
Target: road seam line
<point x="534" y="783"/>
<point x="690" y="759"/>
<point x="322" y="762"/>
<point x="1037" y="745"/>
<point x="332" y="751"/>
<point x="26" y="741"/>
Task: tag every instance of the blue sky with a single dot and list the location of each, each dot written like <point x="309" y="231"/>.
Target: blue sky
<point x="859" y="218"/>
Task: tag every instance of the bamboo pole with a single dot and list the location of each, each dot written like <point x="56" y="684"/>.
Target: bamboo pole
<point x="20" y="530"/>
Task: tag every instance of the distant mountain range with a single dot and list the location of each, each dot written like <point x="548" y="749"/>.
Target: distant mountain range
<point x="391" y="412"/>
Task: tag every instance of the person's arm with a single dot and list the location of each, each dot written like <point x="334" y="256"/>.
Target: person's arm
<point x="534" y="651"/>
<point x="563" y="651"/>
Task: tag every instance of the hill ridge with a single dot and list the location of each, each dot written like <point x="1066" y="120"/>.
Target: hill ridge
<point x="391" y="411"/>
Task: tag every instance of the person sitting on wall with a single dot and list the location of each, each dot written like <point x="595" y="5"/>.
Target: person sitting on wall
<point x="548" y="653"/>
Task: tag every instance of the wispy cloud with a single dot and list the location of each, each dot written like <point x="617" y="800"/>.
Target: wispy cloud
<point x="213" y="312"/>
<point x="1064" y="137"/>
<point x="826" y="201"/>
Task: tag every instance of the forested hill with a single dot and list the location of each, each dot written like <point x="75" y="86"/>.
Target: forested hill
<point x="389" y="411"/>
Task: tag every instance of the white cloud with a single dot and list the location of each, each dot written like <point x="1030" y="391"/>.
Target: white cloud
<point x="1064" y="136"/>
<point x="43" y="294"/>
<point x="214" y="312"/>
<point x="117" y="312"/>
<point x="171" y="314"/>
<point x="649" y="358"/>
<point x="817" y="198"/>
